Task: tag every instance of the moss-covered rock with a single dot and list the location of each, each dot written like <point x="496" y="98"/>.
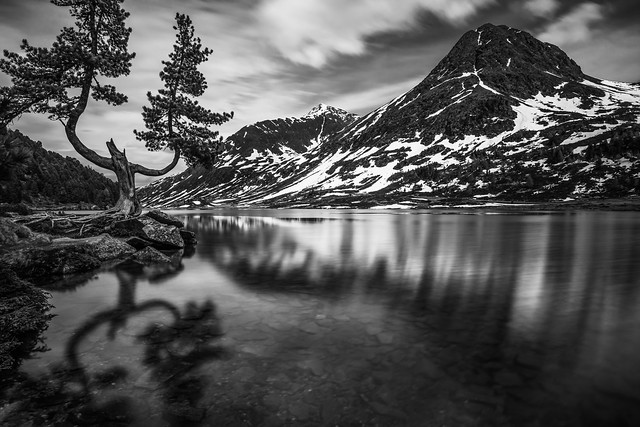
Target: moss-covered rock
<point x="24" y="313"/>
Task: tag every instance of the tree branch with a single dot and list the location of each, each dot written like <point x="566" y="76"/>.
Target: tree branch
<point x="157" y="172"/>
<point x="74" y="116"/>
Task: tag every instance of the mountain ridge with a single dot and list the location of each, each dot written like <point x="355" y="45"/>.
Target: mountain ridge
<point x="502" y="115"/>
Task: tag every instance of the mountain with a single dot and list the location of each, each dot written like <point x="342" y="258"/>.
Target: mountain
<point x="47" y="178"/>
<point x="502" y="116"/>
<point x="256" y="160"/>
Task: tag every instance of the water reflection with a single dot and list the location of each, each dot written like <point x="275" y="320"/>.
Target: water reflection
<point x="542" y="309"/>
<point x="73" y="391"/>
<point x="340" y="318"/>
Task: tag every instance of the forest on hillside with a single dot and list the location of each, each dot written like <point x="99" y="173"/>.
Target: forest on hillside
<point x="38" y="177"/>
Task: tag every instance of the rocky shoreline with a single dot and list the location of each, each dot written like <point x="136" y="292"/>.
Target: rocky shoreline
<point x="44" y="248"/>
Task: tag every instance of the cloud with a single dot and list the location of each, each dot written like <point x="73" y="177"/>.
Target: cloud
<point x="575" y="26"/>
<point x="611" y="55"/>
<point x="542" y="8"/>
<point x="312" y="32"/>
<point x="367" y="100"/>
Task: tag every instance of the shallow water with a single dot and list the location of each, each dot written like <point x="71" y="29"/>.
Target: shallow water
<point x="302" y="317"/>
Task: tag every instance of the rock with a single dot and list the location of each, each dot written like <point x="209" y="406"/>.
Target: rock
<point x="105" y="247"/>
<point x="189" y="237"/>
<point x="23" y="317"/>
<point x="160" y="235"/>
<point x="56" y="258"/>
<point x="12" y="234"/>
<point x="137" y="242"/>
<point x="151" y="255"/>
<point x="164" y="218"/>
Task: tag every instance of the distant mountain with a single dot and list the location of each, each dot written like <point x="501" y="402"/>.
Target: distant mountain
<point x="256" y="159"/>
<point x="503" y="115"/>
<point x="47" y="178"/>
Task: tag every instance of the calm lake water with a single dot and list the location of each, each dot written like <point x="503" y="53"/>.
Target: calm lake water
<point x="285" y="317"/>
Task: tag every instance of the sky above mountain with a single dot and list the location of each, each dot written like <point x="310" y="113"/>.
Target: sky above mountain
<point x="277" y="58"/>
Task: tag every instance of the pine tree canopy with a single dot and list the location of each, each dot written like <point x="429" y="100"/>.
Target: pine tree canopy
<point x="53" y="80"/>
<point x="174" y="118"/>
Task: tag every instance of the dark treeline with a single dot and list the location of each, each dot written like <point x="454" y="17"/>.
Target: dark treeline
<point x="30" y="174"/>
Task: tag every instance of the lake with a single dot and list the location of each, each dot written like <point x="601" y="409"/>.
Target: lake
<point x="333" y="317"/>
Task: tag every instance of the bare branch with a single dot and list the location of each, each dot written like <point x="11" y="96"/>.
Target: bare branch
<point x="157" y="172"/>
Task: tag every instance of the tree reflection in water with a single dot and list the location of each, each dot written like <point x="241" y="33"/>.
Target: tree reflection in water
<point x="72" y="393"/>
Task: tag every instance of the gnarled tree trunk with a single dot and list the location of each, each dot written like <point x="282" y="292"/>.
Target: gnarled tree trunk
<point x="127" y="203"/>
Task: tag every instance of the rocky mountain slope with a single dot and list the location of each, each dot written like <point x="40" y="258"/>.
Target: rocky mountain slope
<point x="502" y="116"/>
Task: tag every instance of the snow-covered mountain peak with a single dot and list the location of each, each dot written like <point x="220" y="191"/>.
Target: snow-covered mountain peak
<point x="324" y="109"/>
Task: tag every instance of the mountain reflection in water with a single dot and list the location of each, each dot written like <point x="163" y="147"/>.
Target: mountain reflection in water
<point x="355" y="318"/>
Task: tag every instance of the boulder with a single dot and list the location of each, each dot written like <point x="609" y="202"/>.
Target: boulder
<point x="164" y="218"/>
<point x="189" y="237"/>
<point x="53" y="259"/>
<point x="160" y="235"/>
<point x="105" y="247"/>
<point x="150" y="255"/>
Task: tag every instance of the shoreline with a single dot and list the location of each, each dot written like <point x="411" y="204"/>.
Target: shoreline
<point x="631" y="204"/>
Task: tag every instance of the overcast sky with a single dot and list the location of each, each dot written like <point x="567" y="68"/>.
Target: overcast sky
<point x="277" y="58"/>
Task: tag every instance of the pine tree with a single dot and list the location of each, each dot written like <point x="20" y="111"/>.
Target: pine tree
<point x="60" y="81"/>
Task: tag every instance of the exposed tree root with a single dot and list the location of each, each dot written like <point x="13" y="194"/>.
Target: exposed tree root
<point x="71" y="225"/>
